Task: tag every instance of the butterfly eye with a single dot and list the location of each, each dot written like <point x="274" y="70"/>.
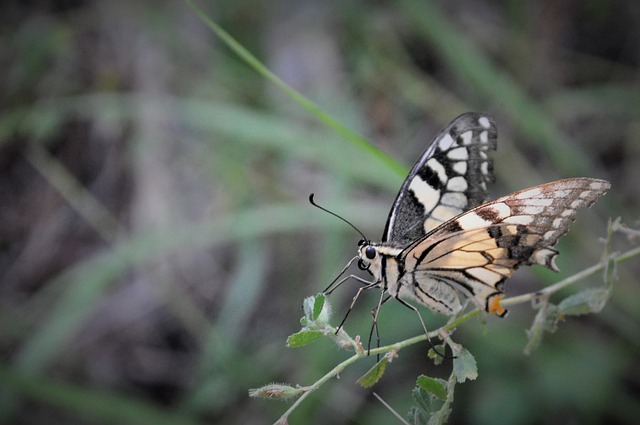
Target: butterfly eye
<point x="362" y="265"/>
<point x="370" y="252"/>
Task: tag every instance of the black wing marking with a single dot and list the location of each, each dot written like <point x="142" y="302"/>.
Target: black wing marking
<point x="477" y="251"/>
<point x="449" y="178"/>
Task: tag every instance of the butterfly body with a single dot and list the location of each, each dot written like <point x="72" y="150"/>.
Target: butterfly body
<point x="441" y="241"/>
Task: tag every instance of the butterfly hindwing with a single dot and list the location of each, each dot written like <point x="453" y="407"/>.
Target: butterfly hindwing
<point x="449" y="178"/>
<point x="476" y="251"/>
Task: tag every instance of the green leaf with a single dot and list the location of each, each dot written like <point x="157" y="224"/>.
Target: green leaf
<point x="426" y="403"/>
<point x="435" y="354"/>
<point x="440" y="417"/>
<point x="374" y="374"/>
<point x="317" y="311"/>
<point x="303" y="338"/>
<point x="436" y="387"/>
<point x="429" y="404"/>
<point x="545" y="320"/>
<point x="464" y="364"/>
<point x="590" y="300"/>
<point x="318" y="305"/>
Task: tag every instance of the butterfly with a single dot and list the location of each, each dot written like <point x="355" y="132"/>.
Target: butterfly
<point x="442" y="240"/>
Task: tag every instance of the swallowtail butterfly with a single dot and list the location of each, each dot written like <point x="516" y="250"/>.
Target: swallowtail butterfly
<point x="441" y="240"/>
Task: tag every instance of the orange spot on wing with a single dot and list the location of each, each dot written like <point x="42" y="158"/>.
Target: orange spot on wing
<point x="495" y="307"/>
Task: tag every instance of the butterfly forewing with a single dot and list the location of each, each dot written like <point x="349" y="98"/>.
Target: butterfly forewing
<point x="441" y="241"/>
<point x="450" y="177"/>
<point x="476" y="251"/>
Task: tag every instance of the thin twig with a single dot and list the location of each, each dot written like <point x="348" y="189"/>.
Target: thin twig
<point x="396" y="414"/>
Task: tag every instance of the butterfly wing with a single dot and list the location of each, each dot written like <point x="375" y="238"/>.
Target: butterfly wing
<point x="475" y="252"/>
<point x="449" y="178"/>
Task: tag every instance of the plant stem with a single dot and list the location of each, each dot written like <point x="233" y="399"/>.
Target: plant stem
<point x="332" y="373"/>
<point x="572" y="279"/>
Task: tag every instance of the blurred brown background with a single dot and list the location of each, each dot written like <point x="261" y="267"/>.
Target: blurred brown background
<point x="156" y="239"/>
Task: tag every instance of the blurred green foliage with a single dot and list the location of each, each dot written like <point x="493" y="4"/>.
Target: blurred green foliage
<point x="157" y="242"/>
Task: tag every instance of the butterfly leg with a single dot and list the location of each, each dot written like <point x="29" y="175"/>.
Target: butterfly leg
<point x="333" y="285"/>
<point x="368" y="285"/>
<point x="374" y="323"/>
<point x="424" y="327"/>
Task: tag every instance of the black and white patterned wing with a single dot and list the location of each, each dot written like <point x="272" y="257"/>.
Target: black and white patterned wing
<point x="450" y="177"/>
<point x="475" y="252"/>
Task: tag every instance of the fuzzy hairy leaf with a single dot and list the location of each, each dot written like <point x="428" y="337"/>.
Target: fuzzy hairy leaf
<point x="303" y="338"/>
<point x="318" y="305"/>
<point x="464" y="364"/>
<point x="545" y="320"/>
<point x="590" y="300"/>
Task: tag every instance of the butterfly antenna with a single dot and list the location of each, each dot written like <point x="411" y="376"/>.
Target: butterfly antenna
<point x="336" y="215"/>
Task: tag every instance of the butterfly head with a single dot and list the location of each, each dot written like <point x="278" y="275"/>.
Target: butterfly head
<point x="373" y="257"/>
<point x="369" y="258"/>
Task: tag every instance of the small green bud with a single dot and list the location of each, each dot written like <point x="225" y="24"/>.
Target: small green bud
<point x="276" y="391"/>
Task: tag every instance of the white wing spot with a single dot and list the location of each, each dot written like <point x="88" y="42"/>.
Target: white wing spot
<point x="557" y="222"/>
<point x="484" y="137"/>
<point x="484" y="122"/>
<point x="577" y="203"/>
<point x="455" y="199"/>
<point x="531" y="209"/>
<point x="458" y="154"/>
<point x="484" y="168"/>
<point x="531" y="193"/>
<point x="444" y="213"/>
<point x="503" y="210"/>
<point x="460" y="167"/>
<point x="438" y="169"/>
<point x="519" y="219"/>
<point x="445" y="142"/>
<point x="457" y="184"/>
<point x="425" y="193"/>
<point x="598" y="185"/>
<point x="467" y="137"/>
<point x="585" y="194"/>
<point x="546" y="257"/>
<point x="567" y="213"/>
<point x="472" y="221"/>
<point x="549" y="235"/>
<point x="540" y="202"/>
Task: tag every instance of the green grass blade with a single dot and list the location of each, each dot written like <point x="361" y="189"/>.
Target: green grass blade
<point x="305" y="103"/>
